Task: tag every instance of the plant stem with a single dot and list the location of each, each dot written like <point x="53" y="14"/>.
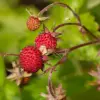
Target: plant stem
<point x="68" y="50"/>
<point x="6" y="54"/>
<point x="63" y="5"/>
<point x="64" y="24"/>
<point x="76" y="24"/>
<point x="83" y="45"/>
<point x="75" y="14"/>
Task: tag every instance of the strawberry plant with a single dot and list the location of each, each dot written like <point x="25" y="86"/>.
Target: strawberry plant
<point x="55" y="57"/>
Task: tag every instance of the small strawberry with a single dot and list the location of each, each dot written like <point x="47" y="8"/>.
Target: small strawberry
<point x="46" y="42"/>
<point x="31" y="59"/>
<point x="33" y="23"/>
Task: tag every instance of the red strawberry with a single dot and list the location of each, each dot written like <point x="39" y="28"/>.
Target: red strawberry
<point x="46" y="42"/>
<point x="33" y="23"/>
<point x="31" y="59"/>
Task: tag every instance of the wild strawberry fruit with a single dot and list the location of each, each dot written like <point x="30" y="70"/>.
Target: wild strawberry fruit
<point x="33" y="23"/>
<point x="31" y="59"/>
<point x="46" y="42"/>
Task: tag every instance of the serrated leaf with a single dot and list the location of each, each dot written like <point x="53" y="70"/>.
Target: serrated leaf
<point x="2" y="72"/>
<point x="93" y="3"/>
<point x="11" y="91"/>
<point x="91" y="94"/>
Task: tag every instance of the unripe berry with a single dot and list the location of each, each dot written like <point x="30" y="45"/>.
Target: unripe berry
<point x="33" y="23"/>
<point x="25" y="80"/>
<point x="31" y="59"/>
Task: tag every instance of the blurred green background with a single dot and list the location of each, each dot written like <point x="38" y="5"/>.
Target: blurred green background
<point x="73" y="74"/>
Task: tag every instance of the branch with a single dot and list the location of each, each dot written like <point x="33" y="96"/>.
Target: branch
<point x="83" y="45"/>
<point x="67" y="51"/>
<point x="50" y="86"/>
<point x="62" y="5"/>
<point x="76" y="24"/>
<point x="6" y="54"/>
<point x="75" y="14"/>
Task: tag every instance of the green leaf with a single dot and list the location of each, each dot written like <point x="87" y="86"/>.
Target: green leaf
<point x="36" y="86"/>
<point x="91" y="94"/>
<point x="2" y="72"/>
<point x="95" y="11"/>
<point x="61" y="15"/>
<point x="91" y="24"/>
<point x="93" y="3"/>
<point x="12" y="92"/>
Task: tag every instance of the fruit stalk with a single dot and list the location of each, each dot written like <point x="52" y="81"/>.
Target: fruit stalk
<point x="62" y="5"/>
<point x="7" y="54"/>
<point x="76" y="24"/>
<point x="83" y="45"/>
<point x="67" y="51"/>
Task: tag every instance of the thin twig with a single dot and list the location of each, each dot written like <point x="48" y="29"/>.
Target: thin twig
<point x="63" y="5"/>
<point x="50" y="86"/>
<point x="45" y="9"/>
<point x="76" y="24"/>
<point x="78" y="46"/>
<point x="74" y="13"/>
<point x="67" y="51"/>
<point x="89" y="32"/>
<point x="83" y="45"/>
<point x="6" y="54"/>
<point x="64" y="24"/>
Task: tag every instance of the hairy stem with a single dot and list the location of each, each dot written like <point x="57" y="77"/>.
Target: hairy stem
<point x="62" y="5"/>
<point x="76" y="24"/>
<point x="64" y="24"/>
<point x="83" y="45"/>
<point x="68" y="50"/>
<point x="50" y="86"/>
<point x="6" y="54"/>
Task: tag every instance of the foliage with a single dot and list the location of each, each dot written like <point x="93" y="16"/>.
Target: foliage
<point x="73" y="74"/>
